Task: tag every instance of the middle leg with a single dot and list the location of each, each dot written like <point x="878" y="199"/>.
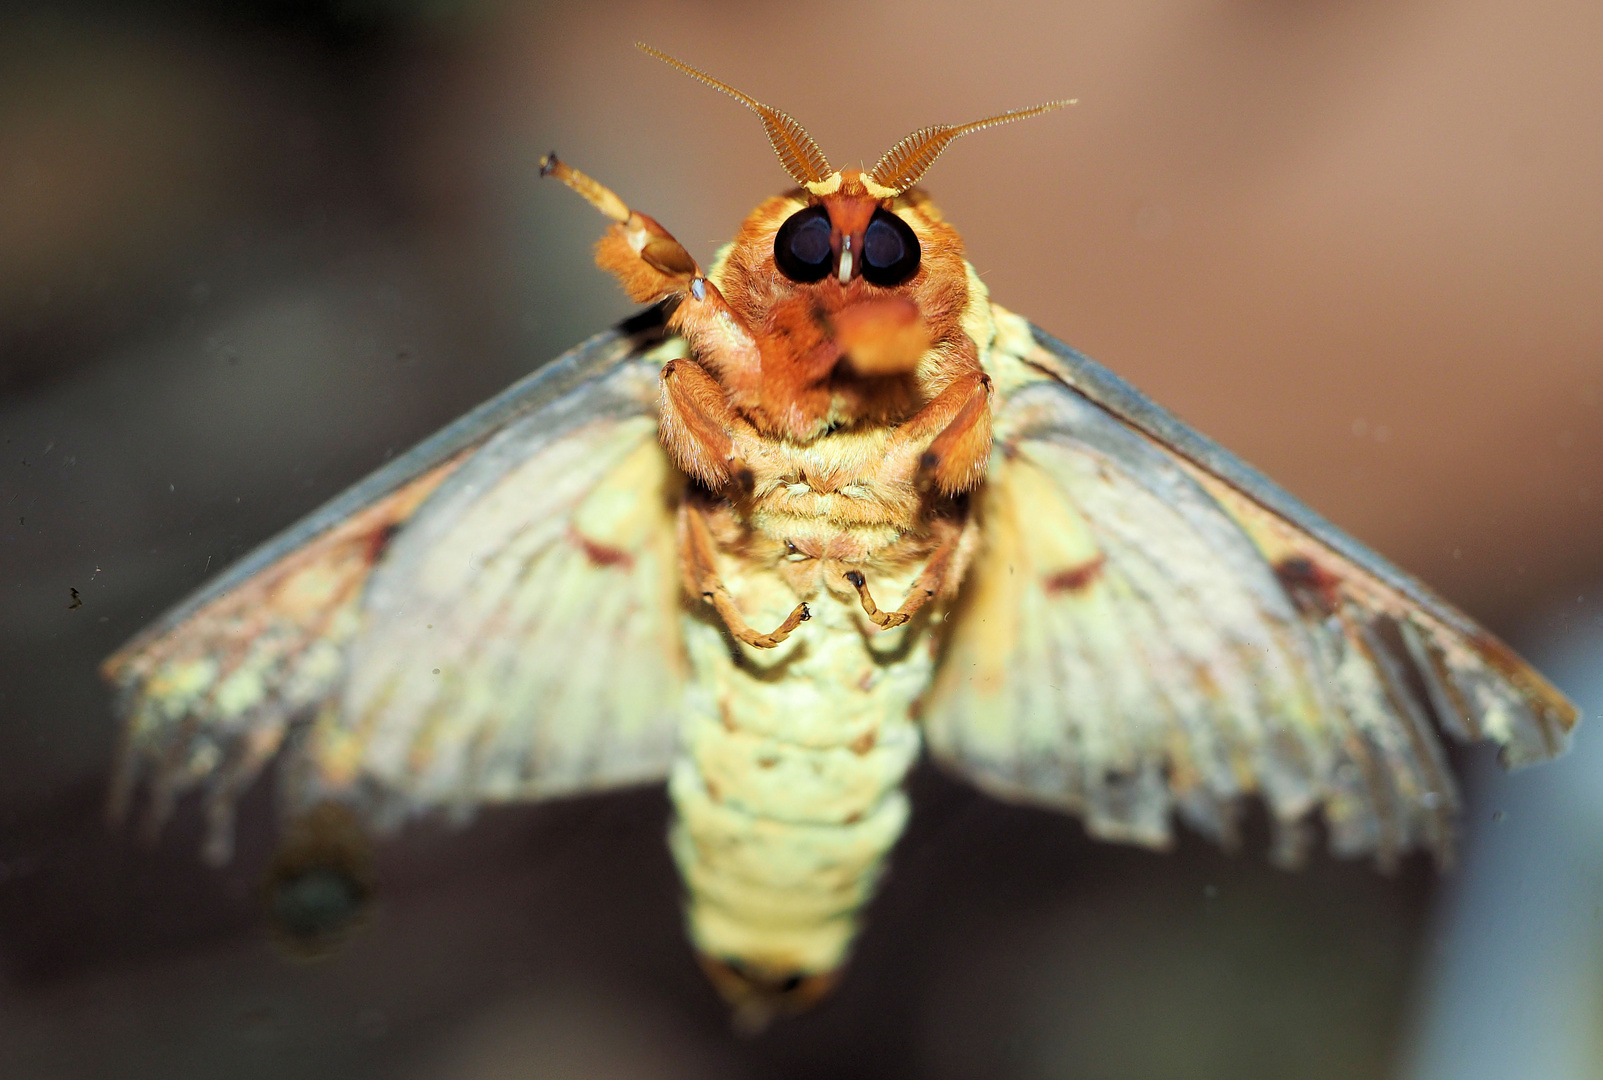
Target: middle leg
<point x="946" y="445"/>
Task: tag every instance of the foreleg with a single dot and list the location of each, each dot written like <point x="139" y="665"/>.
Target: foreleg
<point x="700" y="426"/>
<point x="703" y="435"/>
<point x="645" y="258"/>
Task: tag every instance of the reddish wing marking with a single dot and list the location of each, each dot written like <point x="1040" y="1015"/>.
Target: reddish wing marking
<point x="601" y="554"/>
<point x="1076" y="578"/>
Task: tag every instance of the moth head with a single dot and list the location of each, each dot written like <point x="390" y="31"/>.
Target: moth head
<point x="852" y="282"/>
<point x="847" y="295"/>
<point x="848" y="230"/>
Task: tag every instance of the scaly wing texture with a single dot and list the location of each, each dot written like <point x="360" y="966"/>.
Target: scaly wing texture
<point x="210" y="700"/>
<point x="537" y="527"/>
<point x="1138" y="639"/>
<point x="521" y="636"/>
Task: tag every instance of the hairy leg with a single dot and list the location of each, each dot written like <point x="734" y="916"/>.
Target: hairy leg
<point x="645" y="258"/>
<point x="699" y="572"/>
<point x="946" y="444"/>
<point x="699" y="429"/>
<point x="942" y="574"/>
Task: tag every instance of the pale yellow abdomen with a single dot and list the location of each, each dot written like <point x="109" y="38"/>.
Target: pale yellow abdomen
<point x="788" y="787"/>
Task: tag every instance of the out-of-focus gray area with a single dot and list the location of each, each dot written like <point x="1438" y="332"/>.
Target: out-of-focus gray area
<point x="1513" y="983"/>
<point x="250" y="250"/>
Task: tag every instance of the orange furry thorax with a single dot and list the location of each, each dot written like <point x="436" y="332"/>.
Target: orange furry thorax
<point x="833" y="410"/>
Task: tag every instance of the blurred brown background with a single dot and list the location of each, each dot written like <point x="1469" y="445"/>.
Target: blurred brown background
<point x="249" y="250"/>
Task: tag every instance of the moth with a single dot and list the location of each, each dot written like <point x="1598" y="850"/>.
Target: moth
<point x="822" y="508"/>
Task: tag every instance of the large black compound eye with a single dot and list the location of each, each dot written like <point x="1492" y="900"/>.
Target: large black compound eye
<point x="801" y="247"/>
<point x="890" y="250"/>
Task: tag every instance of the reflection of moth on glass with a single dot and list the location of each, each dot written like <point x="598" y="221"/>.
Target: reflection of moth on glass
<point x="824" y="504"/>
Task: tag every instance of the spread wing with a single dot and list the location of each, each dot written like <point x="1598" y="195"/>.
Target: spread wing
<point x="1151" y="629"/>
<point x="491" y="616"/>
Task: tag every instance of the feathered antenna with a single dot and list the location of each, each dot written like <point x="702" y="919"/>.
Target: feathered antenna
<point x="909" y="159"/>
<point x="798" y="154"/>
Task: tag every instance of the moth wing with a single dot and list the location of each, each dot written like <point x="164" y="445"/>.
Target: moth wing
<point x="213" y="691"/>
<point x="1152" y="628"/>
<point x="521" y="635"/>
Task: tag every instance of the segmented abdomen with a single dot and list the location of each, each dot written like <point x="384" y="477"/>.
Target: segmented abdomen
<point x="788" y="784"/>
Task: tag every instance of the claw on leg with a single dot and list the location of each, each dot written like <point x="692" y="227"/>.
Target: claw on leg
<point x="940" y="577"/>
<point x="724" y="604"/>
<point x="885" y="620"/>
<point x="699" y="571"/>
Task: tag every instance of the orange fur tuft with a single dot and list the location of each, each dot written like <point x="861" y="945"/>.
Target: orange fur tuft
<point x="881" y="338"/>
<point x="641" y="281"/>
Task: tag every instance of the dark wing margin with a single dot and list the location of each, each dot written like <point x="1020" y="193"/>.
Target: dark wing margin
<point x="1541" y="717"/>
<point x="209" y="692"/>
<point x="1154" y="629"/>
